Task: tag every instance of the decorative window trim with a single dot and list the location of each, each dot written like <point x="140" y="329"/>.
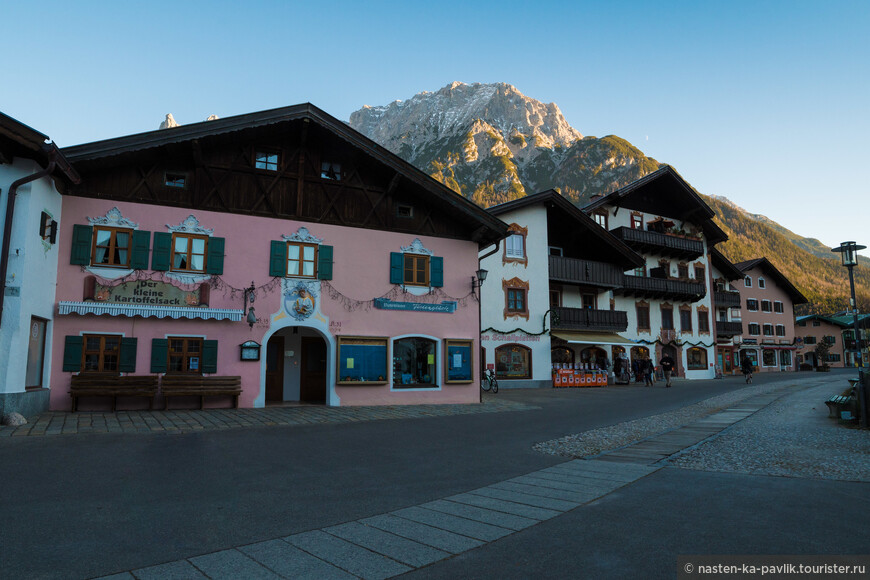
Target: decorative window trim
<point x="190" y="225"/>
<point x="301" y="260"/>
<point x="643" y="304"/>
<point x="686" y="308"/>
<point x="426" y="265"/>
<point x="515" y="284"/>
<point x="113" y="236"/>
<point x="516" y="229"/>
<point x="302" y="235"/>
<point x="776" y="329"/>
<point x="781" y="307"/>
<point x="753" y="325"/>
<point x="683" y="270"/>
<point x="636" y="219"/>
<point x="189" y="237"/>
<point x="704" y="312"/>
<point x="114" y="219"/>
<point x="757" y="304"/>
<point x="762" y="283"/>
<point x="767" y="303"/>
<point x="416" y="247"/>
<point x="747" y="281"/>
<point x="765" y="327"/>
<point x="666" y="306"/>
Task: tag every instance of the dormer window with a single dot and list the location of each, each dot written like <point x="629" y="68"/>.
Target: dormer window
<point x="330" y="170"/>
<point x="178" y="180"/>
<point x="267" y="160"/>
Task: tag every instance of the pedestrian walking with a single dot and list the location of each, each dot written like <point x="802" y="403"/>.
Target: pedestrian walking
<point x="668" y="364"/>
<point x="647" y="368"/>
<point x="747" y="368"/>
<point x="635" y="370"/>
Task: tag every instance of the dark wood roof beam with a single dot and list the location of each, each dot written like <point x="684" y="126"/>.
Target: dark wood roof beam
<point x="303" y="139"/>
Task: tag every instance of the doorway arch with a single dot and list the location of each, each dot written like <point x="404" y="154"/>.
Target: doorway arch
<point x="303" y="359"/>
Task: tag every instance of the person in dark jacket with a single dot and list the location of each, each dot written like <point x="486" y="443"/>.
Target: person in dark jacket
<point x="747" y="367"/>
<point x="647" y="369"/>
<point x="668" y="364"/>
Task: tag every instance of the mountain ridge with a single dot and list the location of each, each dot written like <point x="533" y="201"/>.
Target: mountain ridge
<point x="492" y="144"/>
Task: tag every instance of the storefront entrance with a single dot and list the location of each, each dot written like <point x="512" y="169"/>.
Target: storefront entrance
<point x="296" y="367"/>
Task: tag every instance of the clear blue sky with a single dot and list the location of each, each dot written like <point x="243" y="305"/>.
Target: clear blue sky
<point x="766" y="103"/>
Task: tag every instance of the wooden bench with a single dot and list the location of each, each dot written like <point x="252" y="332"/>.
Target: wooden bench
<point x="199" y="386"/>
<point x="839" y="403"/>
<point x="98" y="385"/>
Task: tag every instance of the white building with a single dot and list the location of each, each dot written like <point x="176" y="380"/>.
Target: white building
<point x="546" y="296"/>
<point x="32" y="174"/>
<point x="668" y="298"/>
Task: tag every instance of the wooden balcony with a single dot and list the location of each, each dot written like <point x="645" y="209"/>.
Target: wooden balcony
<point x="662" y="288"/>
<point x="586" y="272"/>
<point x="667" y="245"/>
<point x="726" y="299"/>
<point x="588" y="319"/>
<point x="729" y="328"/>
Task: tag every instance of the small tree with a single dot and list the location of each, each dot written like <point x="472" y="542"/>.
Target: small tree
<point x="822" y="350"/>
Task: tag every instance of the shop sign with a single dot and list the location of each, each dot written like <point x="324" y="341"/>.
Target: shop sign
<point x="147" y="292"/>
<point x="511" y="338"/>
<point x="387" y="304"/>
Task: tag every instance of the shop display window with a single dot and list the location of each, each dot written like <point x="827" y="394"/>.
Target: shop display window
<point x="513" y="361"/>
<point x="362" y="360"/>
<point x="696" y="359"/>
<point x="414" y="363"/>
<point x="458" y="364"/>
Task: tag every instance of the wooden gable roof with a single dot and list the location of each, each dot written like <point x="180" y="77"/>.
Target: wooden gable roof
<point x="217" y="158"/>
<point x="582" y="229"/>
<point x="778" y="277"/>
<point x="664" y="192"/>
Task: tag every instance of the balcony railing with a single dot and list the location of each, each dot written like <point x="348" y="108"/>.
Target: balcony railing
<point x="588" y="319"/>
<point x="664" y="244"/>
<point x="726" y="299"/>
<point x="728" y="328"/>
<point x="575" y="271"/>
<point x="644" y="287"/>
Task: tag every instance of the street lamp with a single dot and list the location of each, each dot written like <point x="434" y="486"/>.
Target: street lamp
<point x="849" y="255"/>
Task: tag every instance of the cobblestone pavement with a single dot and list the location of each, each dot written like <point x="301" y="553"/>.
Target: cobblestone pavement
<point x="593" y="442"/>
<point x="793" y="437"/>
<point x="186" y="421"/>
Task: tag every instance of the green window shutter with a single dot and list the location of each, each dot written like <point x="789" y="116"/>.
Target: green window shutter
<point x="436" y="272"/>
<point x="159" y="354"/>
<point x="72" y="353"/>
<point x="214" y="263"/>
<point x="324" y="262"/>
<point x="127" y="362"/>
<point x="209" y="356"/>
<point x="278" y="259"/>
<point x="81" y="245"/>
<point x="397" y="268"/>
<point x="162" y="254"/>
<point x="141" y="248"/>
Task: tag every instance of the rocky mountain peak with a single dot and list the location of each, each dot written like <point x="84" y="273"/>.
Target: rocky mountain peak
<point x="455" y="108"/>
<point x="169" y="122"/>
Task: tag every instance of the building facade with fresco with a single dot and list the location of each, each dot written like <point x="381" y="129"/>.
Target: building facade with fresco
<point x="281" y="249"/>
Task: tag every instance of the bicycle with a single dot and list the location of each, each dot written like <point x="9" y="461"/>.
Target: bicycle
<point x="488" y="382"/>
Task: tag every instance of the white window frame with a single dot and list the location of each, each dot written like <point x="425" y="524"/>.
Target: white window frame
<point x="747" y="281"/>
<point x="764" y="327"/>
<point x="749" y="329"/>
<point x="775" y="358"/>
<point x="761" y="283"/>
<point x="777" y="327"/>
<point x="781" y="307"/>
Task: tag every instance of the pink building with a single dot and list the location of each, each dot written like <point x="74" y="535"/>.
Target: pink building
<point x="281" y="247"/>
<point x="768" y="300"/>
<point x="814" y="329"/>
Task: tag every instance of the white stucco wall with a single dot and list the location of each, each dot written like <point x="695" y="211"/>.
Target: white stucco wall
<point x="628" y="303"/>
<point x="32" y="276"/>
<point x="537" y="273"/>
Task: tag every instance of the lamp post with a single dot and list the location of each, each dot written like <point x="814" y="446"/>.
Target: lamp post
<point x="475" y="284"/>
<point x="849" y="255"/>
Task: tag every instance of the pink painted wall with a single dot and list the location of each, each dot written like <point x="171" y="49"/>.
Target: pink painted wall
<point x="773" y="293"/>
<point x="360" y="272"/>
<point x="819" y="332"/>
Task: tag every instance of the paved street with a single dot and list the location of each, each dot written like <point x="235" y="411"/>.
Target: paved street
<point x="364" y="495"/>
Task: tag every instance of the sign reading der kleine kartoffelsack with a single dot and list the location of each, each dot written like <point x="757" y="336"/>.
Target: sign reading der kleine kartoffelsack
<point x="146" y="292"/>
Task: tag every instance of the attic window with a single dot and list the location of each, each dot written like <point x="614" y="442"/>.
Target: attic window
<point x="330" y="170"/>
<point x="600" y="218"/>
<point x="175" y="180"/>
<point x="404" y="211"/>
<point x="267" y="160"/>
